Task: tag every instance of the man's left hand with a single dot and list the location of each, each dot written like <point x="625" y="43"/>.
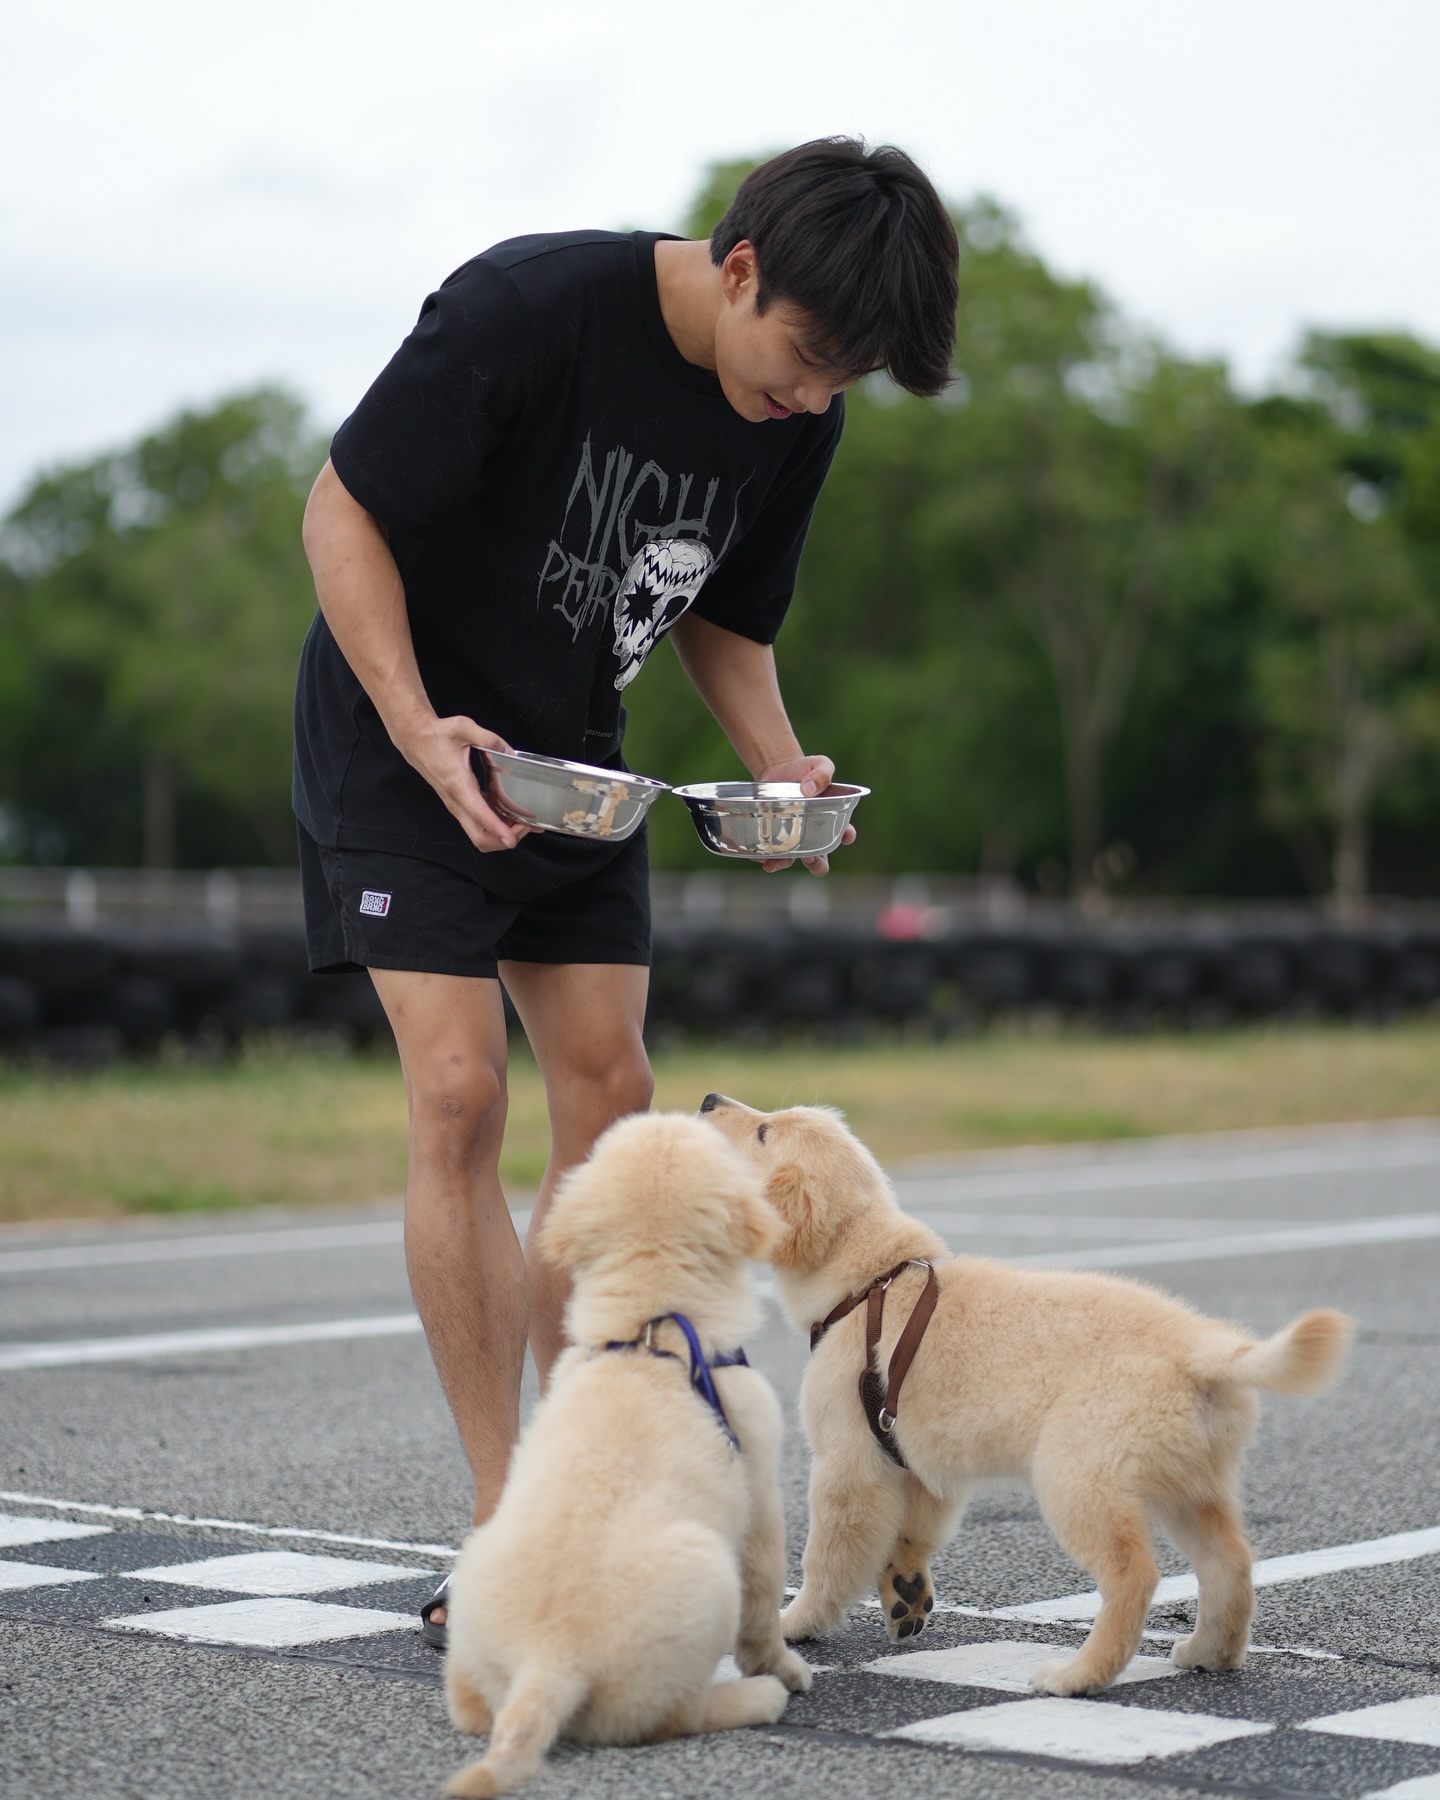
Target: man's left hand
<point x="814" y="774"/>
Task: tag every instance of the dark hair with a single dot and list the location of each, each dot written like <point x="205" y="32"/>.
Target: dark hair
<point x="861" y="244"/>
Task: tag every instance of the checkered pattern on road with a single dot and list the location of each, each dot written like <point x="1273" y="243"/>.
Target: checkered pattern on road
<point x="968" y="1696"/>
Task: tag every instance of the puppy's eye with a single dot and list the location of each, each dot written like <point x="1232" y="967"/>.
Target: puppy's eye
<point x="760" y="1132"/>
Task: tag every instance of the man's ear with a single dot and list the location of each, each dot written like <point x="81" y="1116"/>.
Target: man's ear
<point x="740" y="272"/>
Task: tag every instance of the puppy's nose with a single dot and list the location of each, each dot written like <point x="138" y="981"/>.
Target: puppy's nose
<point x="711" y="1101"/>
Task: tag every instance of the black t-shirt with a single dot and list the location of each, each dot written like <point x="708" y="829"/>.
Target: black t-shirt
<point x="559" y="486"/>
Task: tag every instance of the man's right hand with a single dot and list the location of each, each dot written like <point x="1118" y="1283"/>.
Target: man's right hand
<point x="439" y="749"/>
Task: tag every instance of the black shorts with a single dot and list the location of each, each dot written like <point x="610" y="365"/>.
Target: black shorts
<point x="373" y="909"/>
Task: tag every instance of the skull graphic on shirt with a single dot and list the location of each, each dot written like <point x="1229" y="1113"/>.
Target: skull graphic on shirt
<point x="658" y="587"/>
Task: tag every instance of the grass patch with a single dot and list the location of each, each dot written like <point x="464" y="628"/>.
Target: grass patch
<point x="282" y="1126"/>
<point x="1041" y="1125"/>
<point x="205" y="1198"/>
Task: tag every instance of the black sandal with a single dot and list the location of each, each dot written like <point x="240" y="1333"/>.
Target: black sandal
<point x="433" y="1634"/>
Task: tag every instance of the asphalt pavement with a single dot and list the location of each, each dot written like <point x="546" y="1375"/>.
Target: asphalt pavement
<point x="228" y="1479"/>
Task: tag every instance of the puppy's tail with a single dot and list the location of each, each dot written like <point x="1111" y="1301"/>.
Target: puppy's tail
<point x="1303" y="1358"/>
<point x="543" y="1698"/>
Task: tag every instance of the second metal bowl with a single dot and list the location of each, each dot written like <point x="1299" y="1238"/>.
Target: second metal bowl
<point x="763" y="820"/>
<point x="571" y="798"/>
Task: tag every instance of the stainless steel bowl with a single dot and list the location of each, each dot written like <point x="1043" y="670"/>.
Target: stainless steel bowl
<point x="574" y="799"/>
<point x="762" y="820"/>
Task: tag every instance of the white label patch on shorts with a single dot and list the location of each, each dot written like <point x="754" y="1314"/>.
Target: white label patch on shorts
<point x="375" y="904"/>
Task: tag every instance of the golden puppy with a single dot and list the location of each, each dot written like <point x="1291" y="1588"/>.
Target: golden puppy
<point x="1118" y="1404"/>
<point x="633" y="1545"/>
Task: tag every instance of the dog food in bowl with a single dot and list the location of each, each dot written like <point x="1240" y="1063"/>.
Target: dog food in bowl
<point x="574" y="799"/>
<point x="761" y="820"/>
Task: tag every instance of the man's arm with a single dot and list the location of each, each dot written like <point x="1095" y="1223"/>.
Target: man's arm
<point x="735" y="677"/>
<point x="363" y="600"/>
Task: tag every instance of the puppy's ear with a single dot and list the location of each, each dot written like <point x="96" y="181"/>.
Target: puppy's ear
<point x="790" y="1197"/>
<point x="564" y="1238"/>
<point x="762" y="1228"/>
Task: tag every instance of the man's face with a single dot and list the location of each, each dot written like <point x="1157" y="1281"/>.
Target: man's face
<point x="761" y="359"/>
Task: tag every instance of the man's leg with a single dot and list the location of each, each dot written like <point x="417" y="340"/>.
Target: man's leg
<point x="466" y="1268"/>
<point x="584" y="1022"/>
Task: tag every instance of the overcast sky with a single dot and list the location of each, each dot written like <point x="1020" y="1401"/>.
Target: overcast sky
<point x="196" y="198"/>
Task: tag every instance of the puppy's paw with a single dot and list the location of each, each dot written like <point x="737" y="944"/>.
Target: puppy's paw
<point x="794" y="1671"/>
<point x="1065" y="1678"/>
<point x="906" y="1600"/>
<point x="768" y="1659"/>
<point x="800" y="1620"/>
<point x="1190" y="1653"/>
<point x="477" y="1782"/>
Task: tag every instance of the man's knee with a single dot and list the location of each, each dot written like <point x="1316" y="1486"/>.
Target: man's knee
<point x="632" y="1086"/>
<point x="457" y="1102"/>
<point x="611" y="1088"/>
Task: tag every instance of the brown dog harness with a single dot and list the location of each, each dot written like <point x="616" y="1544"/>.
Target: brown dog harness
<point x="882" y="1404"/>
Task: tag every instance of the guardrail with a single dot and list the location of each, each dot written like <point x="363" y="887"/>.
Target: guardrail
<point x="97" y="963"/>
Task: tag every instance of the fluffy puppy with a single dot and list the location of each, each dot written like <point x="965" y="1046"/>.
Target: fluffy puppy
<point x="633" y="1546"/>
<point x="1120" y="1406"/>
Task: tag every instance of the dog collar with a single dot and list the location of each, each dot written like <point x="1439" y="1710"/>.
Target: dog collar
<point x="701" y="1379"/>
<point x="882" y="1404"/>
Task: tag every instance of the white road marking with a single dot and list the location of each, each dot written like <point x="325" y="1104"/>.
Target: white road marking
<point x="1078" y="1609"/>
<point x="383" y="1234"/>
<point x="275" y="1572"/>
<point x="267" y="1624"/>
<point x="15" y="1531"/>
<point x="1219" y="1167"/>
<point x="139" y="1514"/>
<point x="1422" y="1787"/>
<point x="1006" y="1665"/>
<point x="1079" y="1730"/>
<point x="1408" y="1228"/>
<point x="1087" y="1225"/>
<point x="17" y="1575"/>
<point x="1374" y="1553"/>
<point x="1401" y="1722"/>
<point x="144" y="1346"/>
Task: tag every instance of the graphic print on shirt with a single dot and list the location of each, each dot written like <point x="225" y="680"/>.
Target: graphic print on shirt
<point x="658" y="586"/>
<point x="627" y="549"/>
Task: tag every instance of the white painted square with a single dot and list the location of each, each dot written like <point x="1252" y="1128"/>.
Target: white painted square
<point x="267" y="1624"/>
<point x="1422" y="1787"/>
<point x="1079" y="1730"/>
<point x="15" y="1530"/>
<point x="14" y="1576"/>
<point x="1401" y="1722"/>
<point x="1005" y="1665"/>
<point x="276" y="1572"/>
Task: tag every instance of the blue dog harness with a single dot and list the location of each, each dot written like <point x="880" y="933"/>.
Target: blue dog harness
<point x="700" y="1377"/>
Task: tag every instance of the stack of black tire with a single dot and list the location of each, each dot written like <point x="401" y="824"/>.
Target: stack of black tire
<point x="87" y="996"/>
<point x="1190" y="974"/>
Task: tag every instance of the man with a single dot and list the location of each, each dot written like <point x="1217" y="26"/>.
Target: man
<point x="589" y="440"/>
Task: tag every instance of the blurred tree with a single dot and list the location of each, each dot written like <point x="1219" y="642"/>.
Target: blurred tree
<point x="717" y="190"/>
<point x="156" y="600"/>
<point x="1345" y="675"/>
